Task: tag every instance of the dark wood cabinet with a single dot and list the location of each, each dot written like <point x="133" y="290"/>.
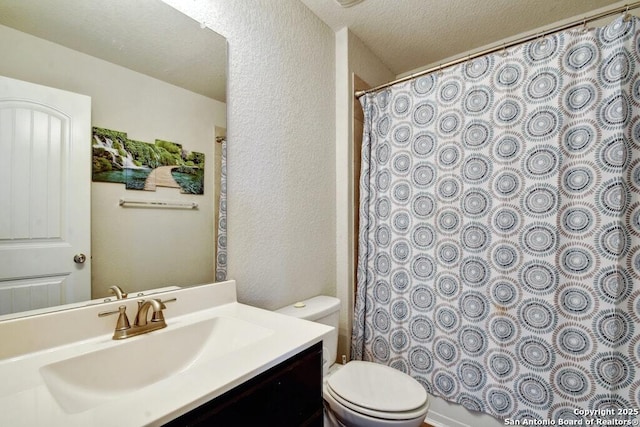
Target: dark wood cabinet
<point x="289" y="394"/>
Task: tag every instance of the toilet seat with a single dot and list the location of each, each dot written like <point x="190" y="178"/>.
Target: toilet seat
<point x="391" y="416"/>
<point x="378" y="391"/>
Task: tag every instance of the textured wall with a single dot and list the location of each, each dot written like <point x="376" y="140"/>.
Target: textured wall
<point x="281" y="149"/>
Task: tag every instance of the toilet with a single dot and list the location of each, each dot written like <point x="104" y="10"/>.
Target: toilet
<point x="360" y="394"/>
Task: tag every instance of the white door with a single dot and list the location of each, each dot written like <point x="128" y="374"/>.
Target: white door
<point x="45" y="184"/>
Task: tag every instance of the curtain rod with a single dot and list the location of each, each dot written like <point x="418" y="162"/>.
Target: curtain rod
<point x="521" y="40"/>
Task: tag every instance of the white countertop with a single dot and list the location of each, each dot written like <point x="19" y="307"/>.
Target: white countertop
<point x="25" y="399"/>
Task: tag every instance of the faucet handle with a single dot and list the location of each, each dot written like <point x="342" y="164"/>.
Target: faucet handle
<point x="118" y="292"/>
<point x="158" y="316"/>
<point x="123" y="321"/>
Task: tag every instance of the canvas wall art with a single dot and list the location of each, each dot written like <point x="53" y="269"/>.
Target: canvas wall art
<point x="145" y="166"/>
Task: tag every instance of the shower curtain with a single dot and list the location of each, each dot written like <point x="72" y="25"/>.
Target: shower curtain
<point x="221" y="244"/>
<point x="499" y="254"/>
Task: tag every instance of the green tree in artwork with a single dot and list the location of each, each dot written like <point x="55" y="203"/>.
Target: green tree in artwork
<point x="118" y="138"/>
<point x="171" y="147"/>
<point x="101" y="162"/>
<point x="197" y="159"/>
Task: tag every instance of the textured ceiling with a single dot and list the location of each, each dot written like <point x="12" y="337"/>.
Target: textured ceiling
<point x="147" y="36"/>
<point x="409" y="34"/>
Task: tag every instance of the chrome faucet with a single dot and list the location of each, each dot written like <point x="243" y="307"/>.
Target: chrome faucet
<point x="142" y="325"/>
<point x="119" y="293"/>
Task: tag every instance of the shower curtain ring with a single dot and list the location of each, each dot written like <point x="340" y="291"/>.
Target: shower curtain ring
<point x="626" y="16"/>
<point x="542" y="41"/>
<point x="585" y="29"/>
<point x="468" y="64"/>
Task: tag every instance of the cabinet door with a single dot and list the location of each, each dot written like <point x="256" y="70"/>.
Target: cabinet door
<point x="289" y="394"/>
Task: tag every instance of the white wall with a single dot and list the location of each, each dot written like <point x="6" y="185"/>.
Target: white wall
<point x="281" y="147"/>
<point x="134" y="248"/>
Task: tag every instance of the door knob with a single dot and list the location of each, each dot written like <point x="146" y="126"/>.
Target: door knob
<point x="80" y="258"/>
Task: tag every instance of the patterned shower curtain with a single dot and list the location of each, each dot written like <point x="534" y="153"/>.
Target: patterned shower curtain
<point x="221" y="244"/>
<point x="499" y="255"/>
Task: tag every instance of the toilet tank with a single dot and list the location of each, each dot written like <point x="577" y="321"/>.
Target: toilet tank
<point x="322" y="309"/>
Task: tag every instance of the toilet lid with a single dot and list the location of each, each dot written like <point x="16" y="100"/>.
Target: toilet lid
<point x="377" y="387"/>
<point x="418" y="413"/>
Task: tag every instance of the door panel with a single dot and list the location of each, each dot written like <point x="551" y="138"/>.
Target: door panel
<point x="45" y="179"/>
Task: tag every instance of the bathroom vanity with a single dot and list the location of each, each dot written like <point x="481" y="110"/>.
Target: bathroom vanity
<point x="218" y="362"/>
<point x="289" y="394"/>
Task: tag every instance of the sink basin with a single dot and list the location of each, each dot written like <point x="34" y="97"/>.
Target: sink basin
<point x="88" y="380"/>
